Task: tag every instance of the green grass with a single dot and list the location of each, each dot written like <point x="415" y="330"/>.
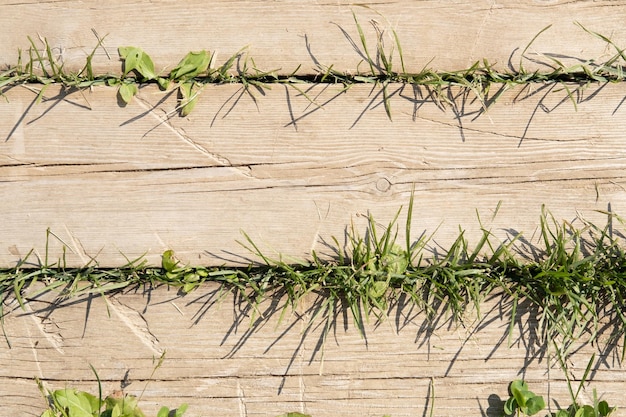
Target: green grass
<point x="379" y="68"/>
<point x="571" y="281"/>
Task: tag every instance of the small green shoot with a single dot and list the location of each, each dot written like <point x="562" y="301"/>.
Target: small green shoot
<point x="522" y="401"/>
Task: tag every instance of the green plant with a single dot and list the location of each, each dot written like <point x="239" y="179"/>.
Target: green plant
<point x="597" y="409"/>
<point x="576" y="275"/>
<point x="522" y="401"/>
<point x="40" y="67"/>
<point x="70" y="402"/>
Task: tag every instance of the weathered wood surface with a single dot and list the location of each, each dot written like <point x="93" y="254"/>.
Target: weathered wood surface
<point x="109" y="181"/>
<point x="221" y="366"/>
<point x="283" y="35"/>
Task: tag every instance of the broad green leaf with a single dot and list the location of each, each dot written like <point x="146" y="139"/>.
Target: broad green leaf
<point x="193" y="64"/>
<point x="79" y="404"/>
<point x="604" y="409"/>
<point x="588" y="411"/>
<point x="48" y="413"/>
<point x="127" y="92"/>
<point x="534" y="404"/>
<point x="116" y="411"/>
<point x="124" y="51"/>
<point x="130" y="55"/>
<point x="378" y="289"/>
<point x="136" y="59"/>
<point x="127" y="405"/>
<point x="146" y="67"/>
<point x="168" y="262"/>
<point x="518" y="390"/>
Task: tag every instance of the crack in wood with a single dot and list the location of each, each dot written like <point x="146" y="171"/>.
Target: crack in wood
<point x="49" y="329"/>
<point x="137" y="324"/>
<point x="181" y="134"/>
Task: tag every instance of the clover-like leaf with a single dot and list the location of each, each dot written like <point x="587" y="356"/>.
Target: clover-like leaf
<point x="604" y="409"/>
<point x="519" y="391"/>
<point x="534" y="404"/>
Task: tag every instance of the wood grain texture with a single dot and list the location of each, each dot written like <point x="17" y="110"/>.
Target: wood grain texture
<point x="222" y="366"/>
<point x="283" y="35"/>
<point x="140" y="180"/>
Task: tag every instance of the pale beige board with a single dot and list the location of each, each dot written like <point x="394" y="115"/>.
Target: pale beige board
<point x="113" y="182"/>
<point x="310" y="36"/>
<point x="221" y="366"/>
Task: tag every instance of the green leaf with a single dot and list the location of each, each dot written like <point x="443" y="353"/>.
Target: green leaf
<point x="604" y="409"/>
<point x="378" y="289"/>
<point x="127" y="405"/>
<point x="181" y="410"/>
<point x="135" y="59"/>
<point x="193" y="64"/>
<point x="188" y="97"/>
<point x="588" y="411"/>
<point x="164" y="83"/>
<point x="127" y="91"/>
<point x="163" y="412"/>
<point x="510" y="406"/>
<point x="78" y="403"/>
<point x="519" y="389"/>
<point x="168" y="261"/>
<point x="534" y="404"/>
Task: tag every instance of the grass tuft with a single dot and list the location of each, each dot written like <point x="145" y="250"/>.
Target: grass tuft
<point x="40" y="66"/>
<point x="574" y="282"/>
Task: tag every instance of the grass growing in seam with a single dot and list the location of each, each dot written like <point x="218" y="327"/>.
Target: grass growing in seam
<point x="39" y="67"/>
<point x="573" y="281"/>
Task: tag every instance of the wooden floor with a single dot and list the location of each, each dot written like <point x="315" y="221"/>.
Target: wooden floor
<point x="85" y="179"/>
<point x="222" y="366"/>
<point x="112" y="183"/>
<point x="308" y="36"/>
<point x="294" y="168"/>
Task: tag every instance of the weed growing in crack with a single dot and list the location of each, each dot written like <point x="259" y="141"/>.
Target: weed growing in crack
<point x="571" y="286"/>
<point x="523" y="402"/>
<point x="195" y="70"/>
<point x="69" y="402"/>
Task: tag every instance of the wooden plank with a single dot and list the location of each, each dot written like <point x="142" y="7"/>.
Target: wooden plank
<point x="221" y="366"/>
<point x="282" y="35"/>
<point x="111" y="181"/>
